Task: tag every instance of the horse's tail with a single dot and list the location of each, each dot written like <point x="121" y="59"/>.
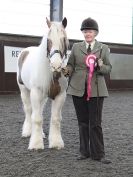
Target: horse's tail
<point x="21" y="60"/>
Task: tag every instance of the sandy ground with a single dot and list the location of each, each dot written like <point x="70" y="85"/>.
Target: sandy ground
<point x="17" y="161"/>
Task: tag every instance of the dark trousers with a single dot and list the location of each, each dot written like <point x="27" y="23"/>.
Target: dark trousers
<point x="89" y="115"/>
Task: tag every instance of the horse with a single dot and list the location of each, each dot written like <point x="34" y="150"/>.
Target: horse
<point x="40" y="77"/>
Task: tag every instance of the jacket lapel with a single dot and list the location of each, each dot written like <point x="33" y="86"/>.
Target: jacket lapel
<point x="97" y="47"/>
<point x="83" y="47"/>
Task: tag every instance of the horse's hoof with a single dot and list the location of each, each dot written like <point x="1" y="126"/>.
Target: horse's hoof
<point x="26" y="130"/>
<point x="36" y="143"/>
<point x="25" y="135"/>
<point x="35" y="147"/>
<point x="56" y="146"/>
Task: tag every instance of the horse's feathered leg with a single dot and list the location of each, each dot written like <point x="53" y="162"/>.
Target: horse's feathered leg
<point x="36" y="140"/>
<point x="55" y="138"/>
<point x="25" y="95"/>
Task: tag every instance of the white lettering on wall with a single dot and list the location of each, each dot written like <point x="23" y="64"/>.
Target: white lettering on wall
<point x="10" y="57"/>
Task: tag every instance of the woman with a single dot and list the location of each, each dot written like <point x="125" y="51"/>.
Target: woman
<point x="89" y="111"/>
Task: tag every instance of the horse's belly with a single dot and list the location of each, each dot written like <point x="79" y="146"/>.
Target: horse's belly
<point x="34" y="76"/>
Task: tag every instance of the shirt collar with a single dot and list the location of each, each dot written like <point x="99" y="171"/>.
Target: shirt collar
<point x="92" y="44"/>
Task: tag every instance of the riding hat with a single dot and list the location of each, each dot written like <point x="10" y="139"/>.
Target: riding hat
<point x="89" y="23"/>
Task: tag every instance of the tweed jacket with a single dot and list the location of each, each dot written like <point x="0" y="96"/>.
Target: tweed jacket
<point x="79" y="71"/>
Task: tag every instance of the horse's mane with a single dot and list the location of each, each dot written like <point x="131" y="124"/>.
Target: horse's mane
<point x="43" y="63"/>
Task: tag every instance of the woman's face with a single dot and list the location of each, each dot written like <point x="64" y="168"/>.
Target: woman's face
<point x="89" y="35"/>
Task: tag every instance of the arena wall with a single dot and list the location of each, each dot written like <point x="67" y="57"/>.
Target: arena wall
<point x="121" y="59"/>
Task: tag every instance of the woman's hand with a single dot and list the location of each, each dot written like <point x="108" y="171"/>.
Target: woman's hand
<point x="65" y="71"/>
<point x="100" y="62"/>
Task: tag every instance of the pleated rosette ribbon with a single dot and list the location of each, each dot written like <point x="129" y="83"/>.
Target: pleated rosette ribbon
<point x="90" y="63"/>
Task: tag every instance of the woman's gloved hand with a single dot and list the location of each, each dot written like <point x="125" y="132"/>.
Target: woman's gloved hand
<point x="100" y="62"/>
<point x="65" y="71"/>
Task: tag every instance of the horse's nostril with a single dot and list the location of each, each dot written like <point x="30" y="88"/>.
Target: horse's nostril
<point x="59" y="68"/>
<point x="56" y="68"/>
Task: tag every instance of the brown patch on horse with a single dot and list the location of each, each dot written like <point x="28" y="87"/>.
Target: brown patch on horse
<point x="54" y="86"/>
<point x="21" y="60"/>
<point x="49" y="46"/>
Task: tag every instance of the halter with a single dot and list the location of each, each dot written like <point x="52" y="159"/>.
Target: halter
<point x="54" y="52"/>
<point x="63" y="54"/>
<point x="58" y="51"/>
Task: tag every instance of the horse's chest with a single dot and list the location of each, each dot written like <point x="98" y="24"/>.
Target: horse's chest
<point x="54" y="90"/>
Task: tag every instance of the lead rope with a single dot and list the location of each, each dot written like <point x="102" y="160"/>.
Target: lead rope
<point x="97" y="111"/>
<point x="68" y="77"/>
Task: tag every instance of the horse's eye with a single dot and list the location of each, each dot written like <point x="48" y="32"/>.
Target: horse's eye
<point x="49" y="44"/>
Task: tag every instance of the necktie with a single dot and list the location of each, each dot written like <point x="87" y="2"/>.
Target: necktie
<point x="89" y="49"/>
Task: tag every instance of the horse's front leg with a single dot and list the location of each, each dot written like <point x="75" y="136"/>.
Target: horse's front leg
<point x="25" y="95"/>
<point x="36" y="139"/>
<point x="55" y="138"/>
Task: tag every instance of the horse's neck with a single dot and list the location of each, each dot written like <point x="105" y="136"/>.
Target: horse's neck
<point x="43" y="61"/>
<point x="43" y="47"/>
<point x="42" y="51"/>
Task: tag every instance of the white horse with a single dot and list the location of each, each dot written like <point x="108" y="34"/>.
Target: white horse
<point x="39" y="76"/>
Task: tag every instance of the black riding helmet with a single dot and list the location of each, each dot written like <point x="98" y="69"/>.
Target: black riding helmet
<point x="89" y="23"/>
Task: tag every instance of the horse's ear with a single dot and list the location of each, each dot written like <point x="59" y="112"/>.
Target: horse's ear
<point x="64" y="22"/>
<point x="48" y="22"/>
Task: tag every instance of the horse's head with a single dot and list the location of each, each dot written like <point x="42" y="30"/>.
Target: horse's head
<point x="57" y="44"/>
